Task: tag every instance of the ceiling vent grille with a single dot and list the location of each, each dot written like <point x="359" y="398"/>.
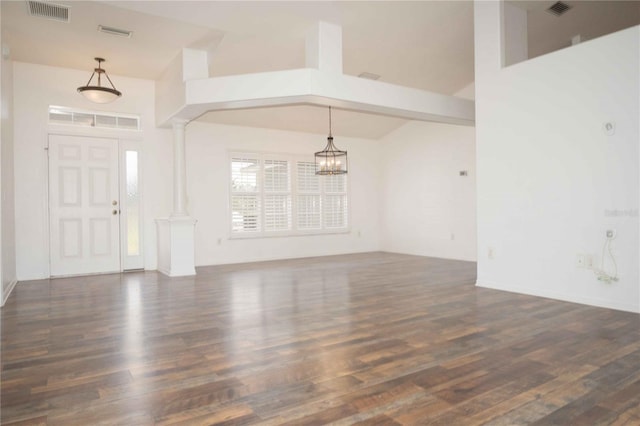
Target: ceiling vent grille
<point x="47" y="10"/>
<point x="114" y="31"/>
<point x="558" y="8"/>
<point x="368" y="75"/>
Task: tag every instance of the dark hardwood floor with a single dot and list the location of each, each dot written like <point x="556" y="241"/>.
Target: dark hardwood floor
<point x="369" y="339"/>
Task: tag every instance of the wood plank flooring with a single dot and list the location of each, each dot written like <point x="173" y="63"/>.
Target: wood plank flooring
<point x="368" y="339"/>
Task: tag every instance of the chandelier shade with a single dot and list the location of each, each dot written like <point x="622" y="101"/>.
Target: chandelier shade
<point x="98" y="93"/>
<point x="331" y="160"/>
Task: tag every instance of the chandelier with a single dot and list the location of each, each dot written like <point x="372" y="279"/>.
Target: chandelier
<point x="331" y="161"/>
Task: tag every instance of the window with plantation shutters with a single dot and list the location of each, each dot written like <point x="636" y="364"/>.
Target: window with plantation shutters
<point x="279" y="194"/>
<point x="245" y="195"/>
<point x="334" y="206"/>
<point x="309" y="204"/>
<point x="321" y="200"/>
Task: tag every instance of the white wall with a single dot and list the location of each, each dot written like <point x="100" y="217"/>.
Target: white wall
<point x="35" y="88"/>
<point x="547" y="173"/>
<point x="207" y="150"/>
<point x="428" y="209"/>
<point x="8" y="217"/>
<point x="516" y="38"/>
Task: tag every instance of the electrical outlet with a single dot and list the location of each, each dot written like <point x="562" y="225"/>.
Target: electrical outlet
<point x="584" y="261"/>
<point x="611" y="233"/>
<point x="491" y="253"/>
<point x="588" y="261"/>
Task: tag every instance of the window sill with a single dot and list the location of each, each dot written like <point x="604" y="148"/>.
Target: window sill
<point x="257" y="235"/>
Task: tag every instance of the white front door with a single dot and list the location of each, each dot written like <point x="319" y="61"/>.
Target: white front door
<point x="84" y="207"/>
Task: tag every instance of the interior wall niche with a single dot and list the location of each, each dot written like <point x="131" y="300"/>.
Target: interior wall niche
<point x="535" y="28"/>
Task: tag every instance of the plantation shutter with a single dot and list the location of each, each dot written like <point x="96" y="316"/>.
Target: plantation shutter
<point x="334" y="206"/>
<point x="309" y="206"/>
<point x="277" y="195"/>
<point x="246" y="206"/>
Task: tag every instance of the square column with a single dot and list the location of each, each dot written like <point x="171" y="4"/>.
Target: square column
<point x="323" y="47"/>
<point x="176" y="255"/>
<point x="176" y="234"/>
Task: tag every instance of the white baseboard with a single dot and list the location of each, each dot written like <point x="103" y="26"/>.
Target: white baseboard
<point x="600" y="303"/>
<point x="177" y="274"/>
<point x="6" y="291"/>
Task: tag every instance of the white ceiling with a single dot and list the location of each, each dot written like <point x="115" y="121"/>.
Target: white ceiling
<point x="422" y="44"/>
<point x="155" y="41"/>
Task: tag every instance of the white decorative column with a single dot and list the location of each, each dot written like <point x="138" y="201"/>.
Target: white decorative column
<point x="176" y="234"/>
<point x="179" y="170"/>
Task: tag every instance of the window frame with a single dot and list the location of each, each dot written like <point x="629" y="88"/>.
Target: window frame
<point x="293" y="231"/>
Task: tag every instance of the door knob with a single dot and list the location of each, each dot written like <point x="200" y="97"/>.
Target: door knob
<point x="114" y="212"/>
<point x="114" y="203"/>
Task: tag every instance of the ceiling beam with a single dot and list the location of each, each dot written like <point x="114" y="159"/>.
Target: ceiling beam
<point x="184" y="91"/>
<point x="309" y="86"/>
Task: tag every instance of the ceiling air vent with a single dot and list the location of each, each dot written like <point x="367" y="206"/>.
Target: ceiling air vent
<point x="558" y="8"/>
<point x="48" y="10"/>
<point x="114" y="31"/>
<point x="368" y="75"/>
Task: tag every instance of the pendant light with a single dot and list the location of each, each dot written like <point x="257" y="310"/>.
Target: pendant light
<point x="331" y="161"/>
<point x="100" y="94"/>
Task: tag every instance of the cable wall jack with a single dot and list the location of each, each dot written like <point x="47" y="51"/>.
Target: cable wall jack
<point x="602" y="274"/>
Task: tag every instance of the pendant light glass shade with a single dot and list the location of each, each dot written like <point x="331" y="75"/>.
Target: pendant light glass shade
<point x="99" y="94"/>
<point x="331" y="161"/>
